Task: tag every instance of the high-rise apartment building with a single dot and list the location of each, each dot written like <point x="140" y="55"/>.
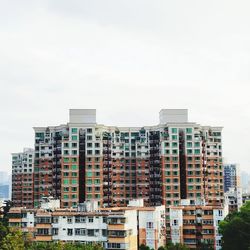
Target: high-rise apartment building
<point x="22" y="178"/>
<point x="47" y="162"/>
<point x="231" y="176"/>
<point x="162" y="164"/>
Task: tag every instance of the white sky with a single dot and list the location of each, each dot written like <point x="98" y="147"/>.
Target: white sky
<point x="128" y="59"/>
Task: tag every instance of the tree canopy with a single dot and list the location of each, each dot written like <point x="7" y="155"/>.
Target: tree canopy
<point x="235" y="229"/>
<point x="171" y="246"/>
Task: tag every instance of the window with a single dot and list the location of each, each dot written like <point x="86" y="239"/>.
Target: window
<point x="167" y="173"/>
<point x="54" y="231"/>
<point x="114" y="245"/>
<point x="197" y="151"/>
<point x="174" y="137"/>
<point x="91" y="219"/>
<point x="80" y="231"/>
<point x="80" y="219"/>
<point x="98" y="174"/>
<point x="74" y="167"/>
<point x="70" y="232"/>
<point x="91" y="232"/>
<point x="89" y="181"/>
<point x="43" y="231"/>
<point x="174" y="130"/>
<point x="175" y="223"/>
<point x="66" y="182"/>
<point x="97" y="181"/>
<point x="174" y="151"/>
<point x="55" y="220"/>
<point x="69" y="219"/>
<point x="74" y="137"/>
<point x="89" y="174"/>
<point x="74" y="130"/>
<point x="66" y="159"/>
<point x="168" y="180"/>
<point x="150" y="225"/>
<point x="176" y="180"/>
<point x="89" y="130"/>
<point x="74" y="181"/>
<point x="74" y="152"/>
<point x="74" y="159"/>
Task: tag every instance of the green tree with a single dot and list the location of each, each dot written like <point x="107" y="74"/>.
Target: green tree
<point x="61" y="246"/>
<point x="171" y="246"/>
<point x="143" y="247"/>
<point x="13" y="240"/>
<point x="235" y="229"/>
<point x="3" y="232"/>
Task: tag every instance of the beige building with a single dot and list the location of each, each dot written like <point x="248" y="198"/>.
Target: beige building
<point x="196" y="224"/>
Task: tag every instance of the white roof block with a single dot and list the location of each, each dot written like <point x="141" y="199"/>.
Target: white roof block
<point x="87" y="116"/>
<point x="173" y="116"/>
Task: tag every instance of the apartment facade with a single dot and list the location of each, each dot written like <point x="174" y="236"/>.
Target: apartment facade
<point x="196" y="224"/>
<point x="47" y="162"/>
<point x="113" y="228"/>
<point x="22" y="178"/>
<point x="83" y="160"/>
<point x="231" y="176"/>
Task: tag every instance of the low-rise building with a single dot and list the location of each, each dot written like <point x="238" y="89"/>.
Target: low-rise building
<point x="113" y="228"/>
<point x="233" y="199"/>
<point x="245" y="197"/>
<point x="194" y="225"/>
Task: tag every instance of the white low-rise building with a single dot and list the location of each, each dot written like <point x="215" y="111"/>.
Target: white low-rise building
<point x="113" y="228"/>
<point x="233" y="199"/>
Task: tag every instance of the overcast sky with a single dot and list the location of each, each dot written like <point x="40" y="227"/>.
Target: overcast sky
<point x="128" y="59"/>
